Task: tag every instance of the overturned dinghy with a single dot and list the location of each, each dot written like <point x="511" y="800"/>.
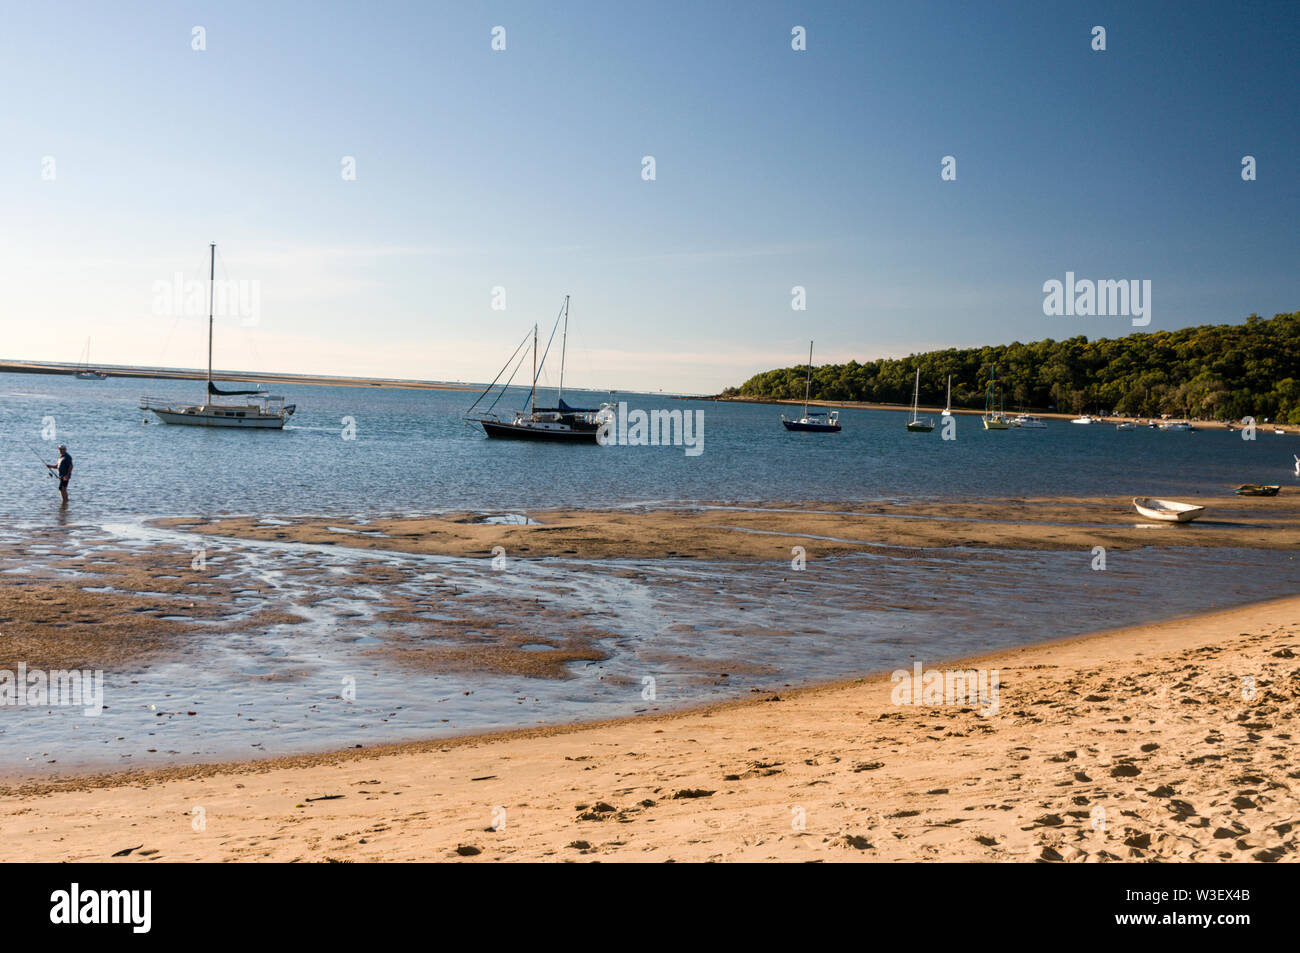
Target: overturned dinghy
<point x="1167" y="511"/>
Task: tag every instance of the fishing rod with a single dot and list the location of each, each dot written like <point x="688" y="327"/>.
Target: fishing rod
<point x="48" y="471"/>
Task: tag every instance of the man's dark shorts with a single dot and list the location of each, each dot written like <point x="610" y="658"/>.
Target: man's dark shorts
<point x="63" y="483"/>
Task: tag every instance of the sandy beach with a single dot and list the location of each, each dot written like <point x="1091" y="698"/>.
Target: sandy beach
<point x="1172" y="741"/>
<point x="1169" y="741"/>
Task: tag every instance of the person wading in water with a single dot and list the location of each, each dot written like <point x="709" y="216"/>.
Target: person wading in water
<point x="64" y="469"/>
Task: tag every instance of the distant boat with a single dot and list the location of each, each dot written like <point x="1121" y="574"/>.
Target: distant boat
<point x="1257" y="489"/>
<point x="86" y="372"/>
<point x="1029" y="422"/>
<point x="558" y="424"/>
<point x="916" y="424"/>
<point x="947" y="408"/>
<point x="1180" y="425"/>
<point x="995" y="417"/>
<point x="259" y="412"/>
<point x="1167" y="511"/>
<point x="817" y="421"/>
<point x="1126" y="425"/>
<point x="1085" y="419"/>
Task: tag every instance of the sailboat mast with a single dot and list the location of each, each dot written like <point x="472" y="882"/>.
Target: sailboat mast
<point x="564" y="343"/>
<point x="807" y="388"/>
<point x="212" y="277"/>
<point x="532" y="396"/>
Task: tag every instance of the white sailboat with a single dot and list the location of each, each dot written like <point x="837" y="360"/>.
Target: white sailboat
<point x="995" y="417"/>
<point x="947" y="408"/>
<point x="86" y="372"/>
<point x="256" y="411"/>
<point x="917" y="424"/>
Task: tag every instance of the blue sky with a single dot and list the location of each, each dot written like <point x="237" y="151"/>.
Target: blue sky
<point x="522" y="169"/>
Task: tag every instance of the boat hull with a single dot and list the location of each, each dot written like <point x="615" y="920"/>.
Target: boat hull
<point x="505" y="431"/>
<point x="1257" y="489"/>
<point x="810" y="428"/>
<point x="1185" y="513"/>
<point x="270" y="422"/>
<point x="919" y="428"/>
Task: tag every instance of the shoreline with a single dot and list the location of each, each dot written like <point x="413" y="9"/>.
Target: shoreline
<point x="1130" y="676"/>
<point x="934" y="411"/>
<point x="11" y="785"/>
<point x="266" y="377"/>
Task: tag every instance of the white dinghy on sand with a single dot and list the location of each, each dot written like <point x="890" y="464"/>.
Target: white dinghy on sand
<point x="1167" y="511"/>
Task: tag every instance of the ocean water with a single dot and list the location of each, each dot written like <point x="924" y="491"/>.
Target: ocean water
<point x="412" y="453"/>
<point x="701" y="630"/>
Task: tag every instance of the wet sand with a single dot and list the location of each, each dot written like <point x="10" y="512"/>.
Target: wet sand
<point x="1172" y="741"/>
<point x="112" y="607"/>
<point x="770" y="532"/>
<point x="106" y="608"/>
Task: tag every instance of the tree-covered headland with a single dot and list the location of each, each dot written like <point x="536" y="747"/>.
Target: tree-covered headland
<point x="1220" y="371"/>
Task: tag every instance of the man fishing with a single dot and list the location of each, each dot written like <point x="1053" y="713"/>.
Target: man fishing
<point x="64" y="469"/>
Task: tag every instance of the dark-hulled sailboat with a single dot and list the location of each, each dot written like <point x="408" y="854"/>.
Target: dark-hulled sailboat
<point x="559" y="424"/>
<point x="818" y="421"/>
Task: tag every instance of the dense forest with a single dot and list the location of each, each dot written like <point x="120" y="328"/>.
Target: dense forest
<point x="1220" y="371"/>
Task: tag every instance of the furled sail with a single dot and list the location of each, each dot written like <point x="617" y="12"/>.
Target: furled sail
<point x="214" y="389"/>
<point x="566" y="409"/>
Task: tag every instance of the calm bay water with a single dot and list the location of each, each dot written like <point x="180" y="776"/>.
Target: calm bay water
<point x="414" y="454"/>
<point x="701" y="629"/>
